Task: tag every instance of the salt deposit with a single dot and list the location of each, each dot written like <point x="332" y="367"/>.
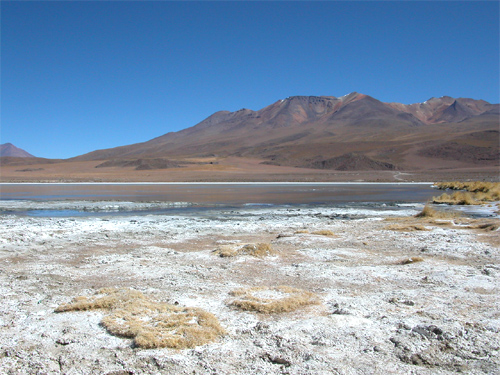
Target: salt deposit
<point x="376" y="315"/>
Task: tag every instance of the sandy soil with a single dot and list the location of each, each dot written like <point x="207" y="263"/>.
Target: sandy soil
<point x="231" y="169"/>
<point x="376" y="315"/>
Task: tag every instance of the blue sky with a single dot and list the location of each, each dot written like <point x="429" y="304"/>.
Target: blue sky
<point x="77" y="76"/>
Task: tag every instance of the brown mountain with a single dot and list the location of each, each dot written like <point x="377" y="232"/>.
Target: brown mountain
<point x="351" y="132"/>
<point x="8" y="149"/>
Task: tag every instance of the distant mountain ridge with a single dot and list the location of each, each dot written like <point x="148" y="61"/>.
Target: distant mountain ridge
<point x="8" y="149"/>
<point x="447" y="109"/>
<point x="336" y="132"/>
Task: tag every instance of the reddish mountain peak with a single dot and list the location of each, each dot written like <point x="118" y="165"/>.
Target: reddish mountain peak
<point x="308" y="125"/>
<point x="353" y="96"/>
<point x="444" y="109"/>
<point x="8" y="149"/>
<point x="296" y="110"/>
<point x="307" y="98"/>
<point x="474" y="105"/>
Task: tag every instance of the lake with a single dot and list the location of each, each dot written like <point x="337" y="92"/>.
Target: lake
<point x="205" y="199"/>
<point x="222" y="193"/>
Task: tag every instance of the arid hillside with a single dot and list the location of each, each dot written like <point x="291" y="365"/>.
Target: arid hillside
<point x="310" y="131"/>
<point x="313" y="135"/>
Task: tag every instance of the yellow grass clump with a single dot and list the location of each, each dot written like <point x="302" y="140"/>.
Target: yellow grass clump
<point x="474" y="186"/>
<point x="272" y="300"/>
<point x="431" y="213"/>
<point x="253" y="249"/>
<point x="151" y="324"/>
<point x="476" y="192"/>
<point x="458" y="197"/>
<point x="324" y="232"/>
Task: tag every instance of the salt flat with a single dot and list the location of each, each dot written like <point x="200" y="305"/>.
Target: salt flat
<point x="377" y="313"/>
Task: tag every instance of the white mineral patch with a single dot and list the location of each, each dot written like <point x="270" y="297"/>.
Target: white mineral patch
<point x="435" y="316"/>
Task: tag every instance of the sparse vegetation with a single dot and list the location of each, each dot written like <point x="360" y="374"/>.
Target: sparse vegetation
<point x="151" y="324"/>
<point x="431" y="213"/>
<point x="324" y="232"/>
<point x="253" y="249"/>
<point x="458" y="197"/>
<point x="475" y="186"/>
<point x="469" y="193"/>
<point x="407" y="228"/>
<point x="321" y="232"/>
<point x="487" y="227"/>
<point x="272" y="300"/>
<point x="411" y="260"/>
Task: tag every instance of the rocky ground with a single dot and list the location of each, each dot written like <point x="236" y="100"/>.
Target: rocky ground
<point x="377" y="311"/>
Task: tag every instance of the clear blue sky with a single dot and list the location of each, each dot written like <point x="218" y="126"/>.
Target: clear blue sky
<point x="77" y="76"/>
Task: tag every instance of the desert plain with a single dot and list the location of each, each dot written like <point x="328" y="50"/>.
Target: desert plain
<point x="356" y="290"/>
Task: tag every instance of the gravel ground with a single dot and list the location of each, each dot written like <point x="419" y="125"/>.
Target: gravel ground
<point x="378" y="313"/>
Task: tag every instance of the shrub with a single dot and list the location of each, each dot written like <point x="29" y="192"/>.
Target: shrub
<point x="151" y="324"/>
<point x="272" y="300"/>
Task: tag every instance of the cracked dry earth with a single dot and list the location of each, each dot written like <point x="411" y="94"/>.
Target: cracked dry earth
<point x="378" y="313"/>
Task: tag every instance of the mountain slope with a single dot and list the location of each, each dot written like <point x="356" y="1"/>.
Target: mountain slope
<point x="312" y="131"/>
<point x="8" y="149"/>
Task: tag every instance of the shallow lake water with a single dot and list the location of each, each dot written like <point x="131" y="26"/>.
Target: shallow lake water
<point x="99" y="199"/>
<point x="223" y="193"/>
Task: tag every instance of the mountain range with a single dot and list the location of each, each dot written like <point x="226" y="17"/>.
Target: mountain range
<point x="301" y="134"/>
<point x="351" y="132"/>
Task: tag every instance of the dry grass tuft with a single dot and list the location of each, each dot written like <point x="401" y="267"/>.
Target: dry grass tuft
<point x="458" y="198"/>
<point x="151" y="324"/>
<point x="257" y="249"/>
<point x="226" y="251"/>
<point x="324" y="232"/>
<point x="272" y="300"/>
<point x="411" y="260"/>
<point x="487" y="227"/>
<point x="106" y="298"/>
<point x="476" y="192"/>
<point x="431" y="213"/>
<point x="253" y="249"/>
<point x="301" y="231"/>
<point x="407" y="228"/>
<point x="474" y="186"/>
